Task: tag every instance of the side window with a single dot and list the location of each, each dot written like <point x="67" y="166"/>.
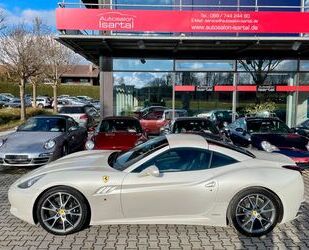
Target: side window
<point x="179" y="160"/>
<point x="71" y="123"/>
<point x="220" y="160"/>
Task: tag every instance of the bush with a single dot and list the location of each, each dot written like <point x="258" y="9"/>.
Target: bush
<point x="46" y="89"/>
<point x="8" y="115"/>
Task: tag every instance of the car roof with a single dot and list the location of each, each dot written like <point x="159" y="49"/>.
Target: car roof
<point x="51" y="116"/>
<point x="186" y="140"/>
<point x="256" y="118"/>
<point x="191" y="119"/>
<point x="120" y="118"/>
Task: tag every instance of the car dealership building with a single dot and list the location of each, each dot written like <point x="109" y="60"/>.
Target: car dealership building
<point x="194" y="54"/>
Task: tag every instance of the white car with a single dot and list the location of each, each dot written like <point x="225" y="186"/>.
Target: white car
<point x="173" y="179"/>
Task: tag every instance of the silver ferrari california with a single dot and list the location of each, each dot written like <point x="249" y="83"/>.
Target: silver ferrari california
<point x="173" y="179"/>
<point x="40" y="140"/>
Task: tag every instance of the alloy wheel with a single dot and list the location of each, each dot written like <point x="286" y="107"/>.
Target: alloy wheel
<point x="255" y="213"/>
<point x="61" y="212"/>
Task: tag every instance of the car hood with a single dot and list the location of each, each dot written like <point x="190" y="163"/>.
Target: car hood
<point x="81" y="161"/>
<point x="287" y="140"/>
<point x="27" y="142"/>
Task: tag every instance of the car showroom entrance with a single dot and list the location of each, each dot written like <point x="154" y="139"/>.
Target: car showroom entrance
<point x="241" y="59"/>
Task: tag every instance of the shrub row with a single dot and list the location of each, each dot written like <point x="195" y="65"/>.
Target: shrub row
<point x="46" y="89"/>
<point x="8" y="115"/>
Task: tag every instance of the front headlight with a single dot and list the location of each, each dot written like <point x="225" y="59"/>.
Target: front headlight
<point x="268" y="147"/>
<point x="30" y="182"/>
<point x="307" y="146"/>
<point x="89" y="145"/>
<point x="49" y="144"/>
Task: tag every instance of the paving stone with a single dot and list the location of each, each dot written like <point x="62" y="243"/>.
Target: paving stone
<point x="18" y="235"/>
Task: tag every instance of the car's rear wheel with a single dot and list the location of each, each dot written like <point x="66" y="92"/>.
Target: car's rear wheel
<point x="62" y="211"/>
<point x="40" y="106"/>
<point x="255" y="212"/>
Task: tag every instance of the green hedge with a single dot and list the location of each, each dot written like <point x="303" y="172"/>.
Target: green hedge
<point x="8" y="114"/>
<point x="46" y="89"/>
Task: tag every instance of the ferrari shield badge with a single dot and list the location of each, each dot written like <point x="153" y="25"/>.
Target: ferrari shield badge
<point x="105" y="178"/>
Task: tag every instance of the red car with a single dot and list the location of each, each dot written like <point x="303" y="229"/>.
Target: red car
<point x="152" y="122"/>
<point x="117" y="133"/>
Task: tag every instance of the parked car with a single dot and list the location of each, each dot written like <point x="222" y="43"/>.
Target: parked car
<point x="15" y="103"/>
<point x="153" y="121"/>
<point x="117" y="133"/>
<point x="43" y="102"/>
<point x="220" y="118"/>
<point x="85" y="98"/>
<point x="41" y="139"/>
<point x="173" y="179"/>
<point x="3" y="100"/>
<point x="302" y="128"/>
<point x="152" y="109"/>
<point x="87" y="116"/>
<point x="271" y="135"/>
<point x="8" y="95"/>
<point x="194" y="125"/>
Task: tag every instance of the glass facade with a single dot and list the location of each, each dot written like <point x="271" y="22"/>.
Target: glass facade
<point x="276" y="82"/>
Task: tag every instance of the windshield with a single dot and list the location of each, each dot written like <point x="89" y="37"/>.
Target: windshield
<point x="117" y="125"/>
<point x="223" y="115"/>
<point x="267" y="126"/>
<point x="72" y="110"/>
<point x="125" y="159"/>
<point x="195" y="126"/>
<point x="43" y="125"/>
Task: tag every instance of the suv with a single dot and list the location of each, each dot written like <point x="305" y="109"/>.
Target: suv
<point x="42" y="102"/>
<point x="153" y="121"/>
<point x="87" y="116"/>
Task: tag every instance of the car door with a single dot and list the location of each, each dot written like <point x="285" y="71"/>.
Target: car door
<point x="184" y="188"/>
<point x="74" y="138"/>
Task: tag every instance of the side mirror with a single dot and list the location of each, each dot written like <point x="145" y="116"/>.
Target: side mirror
<point x="71" y="129"/>
<point x="150" y="171"/>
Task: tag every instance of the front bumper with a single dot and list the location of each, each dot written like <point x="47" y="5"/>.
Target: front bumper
<point x="26" y="159"/>
<point x="22" y="202"/>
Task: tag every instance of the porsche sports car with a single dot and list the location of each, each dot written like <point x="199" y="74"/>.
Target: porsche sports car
<point x="41" y="139"/>
<point x="271" y="135"/>
<point x="194" y="125"/>
<point x="172" y="179"/>
<point x="117" y="133"/>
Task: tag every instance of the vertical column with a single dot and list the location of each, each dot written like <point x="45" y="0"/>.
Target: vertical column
<point x="234" y="98"/>
<point x="291" y="104"/>
<point x="106" y="86"/>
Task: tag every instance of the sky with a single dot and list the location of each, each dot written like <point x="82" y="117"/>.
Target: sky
<point x="25" y="11"/>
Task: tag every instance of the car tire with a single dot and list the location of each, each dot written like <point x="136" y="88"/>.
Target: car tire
<point x="64" y="217"/>
<point x="255" y="212"/>
<point x="41" y="106"/>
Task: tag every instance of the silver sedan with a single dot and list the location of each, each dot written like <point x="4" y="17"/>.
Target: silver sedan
<point x="40" y="140"/>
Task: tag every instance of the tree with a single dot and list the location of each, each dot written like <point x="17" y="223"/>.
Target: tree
<point x="259" y="71"/>
<point x="59" y="60"/>
<point x="2" y="19"/>
<point x="21" y="54"/>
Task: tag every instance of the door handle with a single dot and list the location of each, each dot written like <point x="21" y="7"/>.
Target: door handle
<point x="210" y="184"/>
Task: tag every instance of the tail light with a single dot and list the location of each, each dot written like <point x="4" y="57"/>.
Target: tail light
<point x="294" y="167"/>
<point x="83" y="117"/>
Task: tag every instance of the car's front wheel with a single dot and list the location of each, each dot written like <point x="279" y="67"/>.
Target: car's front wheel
<point x="255" y="212"/>
<point x="62" y="211"/>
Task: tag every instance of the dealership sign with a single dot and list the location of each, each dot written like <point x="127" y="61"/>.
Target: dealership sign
<point x="182" y="21"/>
